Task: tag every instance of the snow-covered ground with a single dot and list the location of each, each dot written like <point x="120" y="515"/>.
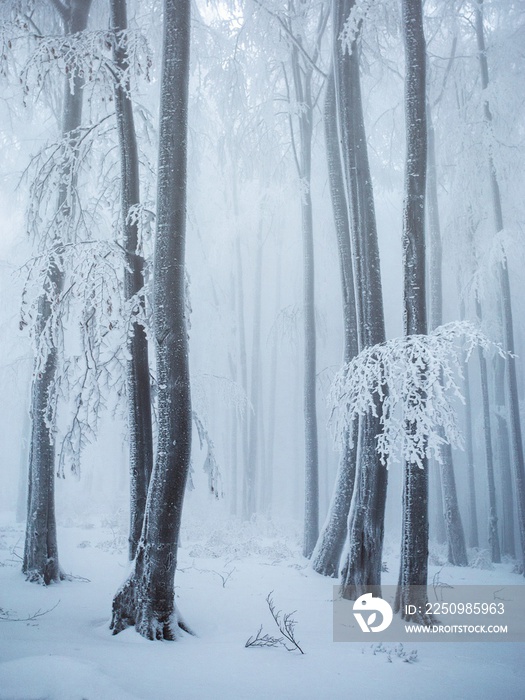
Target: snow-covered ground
<point x="225" y="573"/>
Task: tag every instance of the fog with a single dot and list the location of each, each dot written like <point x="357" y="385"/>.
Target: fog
<point x="247" y="191"/>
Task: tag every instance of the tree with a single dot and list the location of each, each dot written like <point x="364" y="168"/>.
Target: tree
<point x="303" y="63"/>
<point x="138" y="378"/>
<point x="457" y="552"/>
<point x="473" y="536"/>
<point x="362" y="569"/>
<point x="147" y="598"/>
<point x="299" y="74"/>
<point x="329" y="547"/>
<point x="495" y="550"/>
<point x="502" y="435"/>
<point x="516" y="443"/>
<point x="40" y="561"/>
<point x="414" y="538"/>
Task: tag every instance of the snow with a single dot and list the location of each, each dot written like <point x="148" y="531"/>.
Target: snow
<point x="68" y="653"/>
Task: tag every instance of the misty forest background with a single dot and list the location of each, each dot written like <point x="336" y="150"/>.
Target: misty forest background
<point x="351" y="286"/>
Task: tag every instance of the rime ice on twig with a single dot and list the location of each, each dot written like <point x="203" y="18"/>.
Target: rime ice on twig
<point x="416" y="379"/>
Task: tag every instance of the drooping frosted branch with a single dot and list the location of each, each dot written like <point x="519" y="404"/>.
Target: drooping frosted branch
<point x="417" y="380"/>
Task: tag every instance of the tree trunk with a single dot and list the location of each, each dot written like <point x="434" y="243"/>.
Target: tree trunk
<point x="487" y="431"/>
<point x="311" y="512"/>
<point x="473" y="533"/>
<point x="244" y="428"/>
<point x="434" y="476"/>
<point x="147" y="598"/>
<point x="516" y="443"/>
<point x="302" y="86"/>
<point x="272" y="396"/>
<point x="457" y="551"/>
<point x="251" y="467"/>
<point x="234" y="417"/>
<point x="138" y="382"/>
<point x="40" y="563"/>
<point x="329" y="547"/>
<point x="362" y="570"/>
<point x="473" y="517"/>
<point x="414" y="539"/>
<point x="508" y="544"/>
<point x="21" y="501"/>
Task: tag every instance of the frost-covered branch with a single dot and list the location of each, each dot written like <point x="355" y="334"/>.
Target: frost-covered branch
<point x="87" y="55"/>
<point x="211" y="466"/>
<point x="416" y="379"/>
<point x="353" y="24"/>
<point x="56" y="168"/>
<point x="99" y="321"/>
<point x="88" y="321"/>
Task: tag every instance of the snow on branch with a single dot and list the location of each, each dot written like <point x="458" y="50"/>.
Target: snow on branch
<point x="99" y="323"/>
<point x="415" y="380"/>
<point x="56" y="168"/>
<point x="352" y="26"/>
<point x="88" y="56"/>
<point x="211" y="466"/>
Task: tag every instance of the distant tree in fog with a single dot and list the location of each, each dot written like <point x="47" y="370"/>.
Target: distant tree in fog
<point x="41" y="550"/>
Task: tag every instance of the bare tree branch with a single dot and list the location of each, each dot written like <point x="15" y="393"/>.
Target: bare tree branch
<point x="297" y="43"/>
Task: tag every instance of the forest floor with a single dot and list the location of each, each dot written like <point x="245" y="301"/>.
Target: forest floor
<point x="55" y="642"/>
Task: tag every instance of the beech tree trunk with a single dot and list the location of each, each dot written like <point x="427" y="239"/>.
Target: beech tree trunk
<point x="329" y="547"/>
<point x="248" y="485"/>
<point x="473" y="536"/>
<point x="362" y="568"/>
<point x="147" y="598"/>
<point x="234" y="420"/>
<point x="414" y="539"/>
<point x="457" y="551"/>
<point x="267" y="495"/>
<point x="251" y="467"/>
<point x="302" y="77"/>
<point x="489" y="458"/>
<point x="508" y="544"/>
<point x="138" y="382"/>
<point x="40" y="562"/>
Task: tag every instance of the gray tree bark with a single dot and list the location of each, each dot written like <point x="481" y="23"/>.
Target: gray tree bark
<point x="473" y="532"/>
<point x="329" y="547"/>
<point x="234" y="422"/>
<point x="495" y="551"/>
<point x="414" y="539"/>
<point x="40" y="562"/>
<point x="362" y="568"/>
<point x="457" y="551"/>
<point x="508" y="543"/>
<point x="473" y="537"/>
<point x="147" y="598"/>
<point x="251" y="467"/>
<point x="138" y="381"/>
<point x="302" y="76"/>
<point x="272" y="397"/>
<point x="248" y="499"/>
